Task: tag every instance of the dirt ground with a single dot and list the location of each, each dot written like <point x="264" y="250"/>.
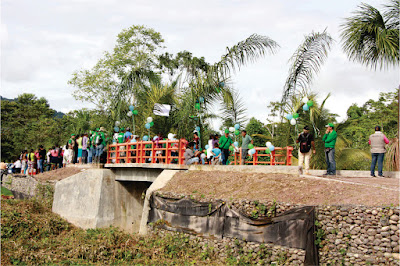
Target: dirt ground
<point x="286" y="188"/>
<point x="58" y="174"/>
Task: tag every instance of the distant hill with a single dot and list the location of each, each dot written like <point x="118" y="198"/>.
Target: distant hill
<point x="56" y="114"/>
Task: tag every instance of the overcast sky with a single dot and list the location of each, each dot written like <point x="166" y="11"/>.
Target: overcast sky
<point x="44" y="42"/>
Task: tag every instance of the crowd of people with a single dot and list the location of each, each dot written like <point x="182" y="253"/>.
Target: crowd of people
<point x="79" y="149"/>
<point x="92" y="148"/>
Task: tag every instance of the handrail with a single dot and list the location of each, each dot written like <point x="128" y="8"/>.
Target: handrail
<point x="172" y="151"/>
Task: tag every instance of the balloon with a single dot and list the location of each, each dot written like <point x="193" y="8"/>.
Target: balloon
<point x="271" y="148"/>
<point x="145" y="138"/>
<point x="293" y="121"/>
<point x="306" y="107"/>
<point x="267" y="151"/>
<point x="289" y="116"/>
<point x="117" y="123"/>
<point x="203" y="156"/>
<point x="232" y="129"/>
<point x="129" y="113"/>
<point x="310" y="103"/>
<point x="133" y="140"/>
<point x="197" y="129"/>
<point x="237" y="126"/>
<point x="250" y="146"/>
<point x="221" y="84"/>
<point x="149" y="119"/>
<point x="295" y="115"/>
<point x="207" y="146"/>
<point x="151" y="123"/>
<point x="131" y="107"/>
<point x="197" y="106"/>
<point x="236" y="144"/>
<point x="305" y="99"/>
<point x="252" y="151"/>
<point x="155" y="137"/>
<point x="171" y="136"/>
<point x="268" y="144"/>
<point x="135" y="112"/>
<point x="249" y="153"/>
<point x="237" y="132"/>
<point x="201" y="99"/>
<point x="116" y="129"/>
<point x="147" y="126"/>
<point x="231" y="148"/>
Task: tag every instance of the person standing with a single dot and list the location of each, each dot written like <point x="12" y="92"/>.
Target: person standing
<point x="378" y="140"/>
<point x="42" y="156"/>
<point x="224" y="142"/>
<point x="31" y="162"/>
<point x="306" y="140"/>
<point x="246" y="140"/>
<point x="330" y="140"/>
<point x="80" y="146"/>
<point x="85" y="142"/>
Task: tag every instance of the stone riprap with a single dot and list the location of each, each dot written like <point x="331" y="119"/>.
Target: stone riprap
<point x="352" y="235"/>
<point x="24" y="185"/>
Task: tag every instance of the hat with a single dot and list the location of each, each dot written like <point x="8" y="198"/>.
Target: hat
<point x="330" y="125"/>
<point x="226" y="131"/>
<point x="306" y="128"/>
<point x="72" y="135"/>
<point x="97" y="129"/>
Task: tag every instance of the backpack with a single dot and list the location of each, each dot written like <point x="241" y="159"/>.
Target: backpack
<point x="304" y="145"/>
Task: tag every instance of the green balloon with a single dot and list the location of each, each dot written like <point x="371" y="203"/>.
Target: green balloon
<point x="218" y="90"/>
<point x="250" y="146"/>
<point x="231" y="148"/>
<point x="135" y="112"/>
<point x="267" y="151"/>
<point x="197" y="106"/>
<point x="310" y="103"/>
<point x="237" y="132"/>
<point x="295" y="115"/>
<point x="205" y="152"/>
<point x="151" y="123"/>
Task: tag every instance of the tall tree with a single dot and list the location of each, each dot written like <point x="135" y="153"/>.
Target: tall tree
<point x="371" y="37"/>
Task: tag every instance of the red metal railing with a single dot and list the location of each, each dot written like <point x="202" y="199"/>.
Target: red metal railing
<point x="172" y="151"/>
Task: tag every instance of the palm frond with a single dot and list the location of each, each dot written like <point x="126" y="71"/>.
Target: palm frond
<point x="306" y="62"/>
<point x="371" y="39"/>
<point x="232" y="107"/>
<point x="244" y="52"/>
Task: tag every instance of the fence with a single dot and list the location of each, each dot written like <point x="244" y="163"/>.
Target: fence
<point x="172" y="151"/>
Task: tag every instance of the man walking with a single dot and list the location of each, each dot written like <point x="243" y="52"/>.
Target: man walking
<point x="246" y="140"/>
<point x="330" y="140"/>
<point x="377" y="142"/>
<point x="306" y="140"/>
<point x="224" y="143"/>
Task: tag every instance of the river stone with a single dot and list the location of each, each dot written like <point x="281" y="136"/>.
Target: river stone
<point x="393" y="227"/>
<point x="385" y="228"/>
<point x="374" y="212"/>
<point x="394" y="238"/>
<point x="376" y="242"/>
<point x="371" y="232"/>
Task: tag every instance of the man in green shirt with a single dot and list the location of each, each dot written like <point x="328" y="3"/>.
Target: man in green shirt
<point x="246" y="140"/>
<point x="330" y="140"/>
<point x="224" y="143"/>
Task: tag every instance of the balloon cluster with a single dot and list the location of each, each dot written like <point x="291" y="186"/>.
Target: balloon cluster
<point x="132" y="111"/>
<point x="149" y="123"/>
<point x="171" y="136"/>
<point x="252" y="150"/>
<point x="270" y="147"/>
<point x="292" y="117"/>
<point x="235" y="129"/>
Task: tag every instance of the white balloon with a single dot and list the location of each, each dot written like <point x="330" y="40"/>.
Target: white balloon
<point x="117" y="123"/>
<point x="249" y="153"/>
<point x="305" y="99"/>
<point x="129" y="113"/>
<point x="149" y="119"/>
<point x="293" y="122"/>
<point x="203" y="155"/>
<point x="232" y="129"/>
<point x="268" y="144"/>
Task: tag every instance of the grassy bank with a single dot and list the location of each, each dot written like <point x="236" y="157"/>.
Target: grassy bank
<point x="32" y="234"/>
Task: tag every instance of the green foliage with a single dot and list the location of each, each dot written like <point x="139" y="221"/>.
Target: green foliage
<point x="371" y="37"/>
<point x="257" y="131"/>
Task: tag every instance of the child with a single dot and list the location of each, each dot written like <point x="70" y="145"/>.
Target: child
<point x="216" y="152"/>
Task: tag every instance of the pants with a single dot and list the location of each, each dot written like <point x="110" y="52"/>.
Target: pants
<point x="306" y="158"/>
<point x="84" y="155"/>
<point x="40" y="165"/>
<point x="330" y="162"/>
<point x="377" y="157"/>
<point x="30" y="167"/>
<point x="225" y="156"/>
<point x="99" y="152"/>
<point x="91" y="154"/>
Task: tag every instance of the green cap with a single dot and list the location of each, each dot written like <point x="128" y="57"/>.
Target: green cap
<point x="330" y="125"/>
<point x="72" y="135"/>
<point x="97" y="129"/>
<point x="226" y="131"/>
<point x="122" y="128"/>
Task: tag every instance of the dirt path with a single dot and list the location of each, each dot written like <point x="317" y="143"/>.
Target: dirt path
<point x="58" y="174"/>
<point x="285" y="188"/>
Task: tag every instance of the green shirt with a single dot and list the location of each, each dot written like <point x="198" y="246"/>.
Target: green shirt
<point x="246" y="140"/>
<point x="225" y="142"/>
<point x="121" y="137"/>
<point x="330" y="139"/>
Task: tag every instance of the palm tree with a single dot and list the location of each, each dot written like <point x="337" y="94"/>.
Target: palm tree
<point x="371" y="37"/>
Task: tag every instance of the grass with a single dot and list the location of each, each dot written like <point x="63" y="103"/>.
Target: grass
<point x="32" y="234"/>
<point x="6" y="192"/>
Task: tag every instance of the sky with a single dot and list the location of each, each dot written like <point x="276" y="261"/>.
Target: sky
<point x="44" y="41"/>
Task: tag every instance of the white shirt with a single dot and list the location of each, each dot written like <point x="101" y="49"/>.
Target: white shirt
<point x="17" y="164"/>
